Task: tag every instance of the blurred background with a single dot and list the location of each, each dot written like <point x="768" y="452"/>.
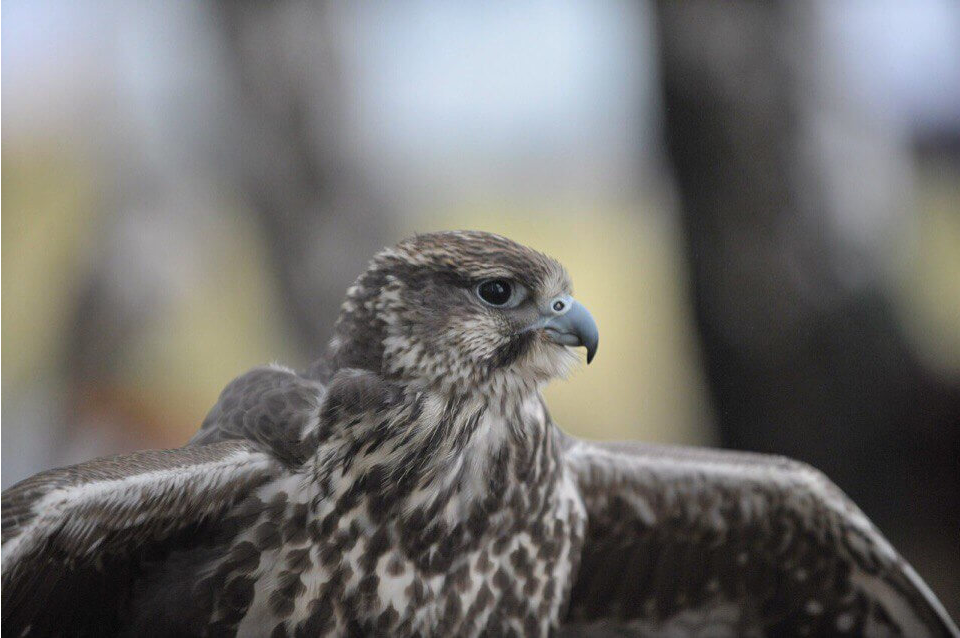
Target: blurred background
<point x="760" y="202"/>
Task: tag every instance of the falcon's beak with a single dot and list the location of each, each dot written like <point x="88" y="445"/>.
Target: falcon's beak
<point x="569" y="323"/>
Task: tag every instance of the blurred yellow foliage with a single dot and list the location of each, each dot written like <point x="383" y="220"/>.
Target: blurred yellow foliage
<point x="48" y="219"/>
<point x="929" y="291"/>
<point x="626" y="265"/>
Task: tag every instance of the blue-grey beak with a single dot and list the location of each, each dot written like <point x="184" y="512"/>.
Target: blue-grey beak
<point x="571" y="324"/>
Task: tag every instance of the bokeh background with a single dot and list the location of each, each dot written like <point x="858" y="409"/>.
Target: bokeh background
<point x="760" y="202"/>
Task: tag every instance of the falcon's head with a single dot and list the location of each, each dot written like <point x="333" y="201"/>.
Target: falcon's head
<point x="454" y="308"/>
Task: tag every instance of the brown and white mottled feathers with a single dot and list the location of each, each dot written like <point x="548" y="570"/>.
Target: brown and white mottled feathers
<point x="412" y="483"/>
<point x="412" y="486"/>
<point x="697" y="542"/>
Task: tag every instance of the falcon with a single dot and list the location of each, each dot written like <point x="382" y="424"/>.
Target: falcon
<point x="412" y="483"/>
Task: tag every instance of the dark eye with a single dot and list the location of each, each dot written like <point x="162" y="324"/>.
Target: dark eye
<point x="496" y="292"/>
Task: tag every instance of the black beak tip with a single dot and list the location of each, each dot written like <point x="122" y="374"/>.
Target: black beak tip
<point x="591" y="351"/>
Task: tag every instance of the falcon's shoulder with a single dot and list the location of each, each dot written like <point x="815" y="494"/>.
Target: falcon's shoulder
<point x="288" y="415"/>
<point x="273" y="408"/>
<point x="682" y="539"/>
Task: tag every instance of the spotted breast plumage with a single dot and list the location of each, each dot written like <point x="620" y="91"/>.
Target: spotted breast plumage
<point x="412" y="483"/>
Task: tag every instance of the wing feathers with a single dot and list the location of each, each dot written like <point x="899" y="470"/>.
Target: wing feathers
<point x="76" y="538"/>
<point x="74" y="510"/>
<point x="672" y="530"/>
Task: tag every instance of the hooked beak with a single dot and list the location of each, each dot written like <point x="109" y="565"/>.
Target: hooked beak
<point x="572" y="326"/>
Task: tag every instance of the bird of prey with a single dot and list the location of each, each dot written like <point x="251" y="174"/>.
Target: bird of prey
<point x="412" y="483"/>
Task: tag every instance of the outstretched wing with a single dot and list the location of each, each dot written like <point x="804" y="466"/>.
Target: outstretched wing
<point x="272" y="407"/>
<point x="686" y="541"/>
<point x="73" y="537"/>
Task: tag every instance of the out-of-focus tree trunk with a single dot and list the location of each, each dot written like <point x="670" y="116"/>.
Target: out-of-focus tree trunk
<point x="782" y="183"/>
<point x="290" y="154"/>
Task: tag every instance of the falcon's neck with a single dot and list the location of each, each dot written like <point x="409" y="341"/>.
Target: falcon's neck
<point x="497" y="439"/>
<point x="447" y="456"/>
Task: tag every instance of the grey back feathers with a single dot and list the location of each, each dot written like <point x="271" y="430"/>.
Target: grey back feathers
<point x="413" y="483"/>
<point x="271" y="407"/>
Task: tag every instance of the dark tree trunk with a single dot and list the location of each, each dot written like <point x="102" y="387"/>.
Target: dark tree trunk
<point x="802" y="352"/>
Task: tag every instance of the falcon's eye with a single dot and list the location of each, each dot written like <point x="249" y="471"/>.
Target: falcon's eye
<point x="495" y="292"/>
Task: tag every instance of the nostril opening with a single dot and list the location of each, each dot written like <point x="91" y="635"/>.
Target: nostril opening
<point x="558" y="306"/>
